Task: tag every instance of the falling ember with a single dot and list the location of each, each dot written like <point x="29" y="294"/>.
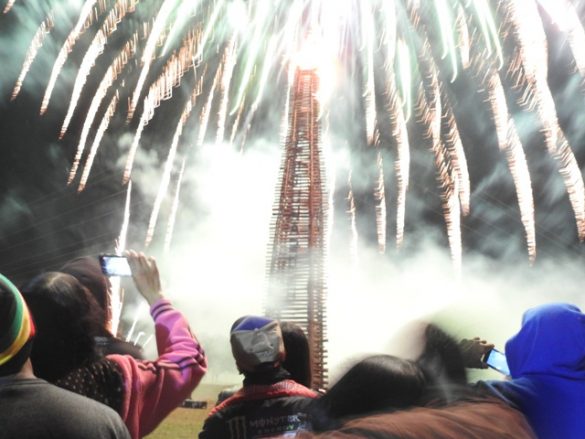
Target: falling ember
<point x="111" y="75"/>
<point x="148" y="55"/>
<point x="96" y="143"/>
<point x="174" y="210"/>
<point x="8" y="6"/>
<point x="96" y="48"/>
<point x="35" y="45"/>
<point x="166" y="177"/>
<point x="162" y="89"/>
<point x="82" y="23"/>
<point x="116" y="290"/>
<point x="531" y="73"/>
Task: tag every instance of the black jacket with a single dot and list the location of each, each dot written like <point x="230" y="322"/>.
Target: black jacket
<point x="267" y="405"/>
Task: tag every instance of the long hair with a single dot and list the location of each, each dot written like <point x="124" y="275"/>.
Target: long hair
<point x="376" y="383"/>
<point x="67" y="318"/>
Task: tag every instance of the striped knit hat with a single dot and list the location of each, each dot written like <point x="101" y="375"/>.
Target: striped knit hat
<point x="16" y="329"/>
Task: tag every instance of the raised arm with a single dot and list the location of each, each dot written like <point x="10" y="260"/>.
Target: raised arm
<point x="154" y="388"/>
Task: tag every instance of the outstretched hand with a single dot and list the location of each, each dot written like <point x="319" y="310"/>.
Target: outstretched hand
<point x="473" y="351"/>
<point x="145" y="275"/>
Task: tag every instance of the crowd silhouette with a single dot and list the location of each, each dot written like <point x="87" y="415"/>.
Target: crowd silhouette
<point x="63" y="373"/>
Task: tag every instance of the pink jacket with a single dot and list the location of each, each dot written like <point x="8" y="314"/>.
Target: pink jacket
<point x="155" y="388"/>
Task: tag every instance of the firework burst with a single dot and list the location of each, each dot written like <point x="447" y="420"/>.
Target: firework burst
<point x="231" y="60"/>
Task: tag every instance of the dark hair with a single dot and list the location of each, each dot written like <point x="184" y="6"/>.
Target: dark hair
<point x="376" y="383"/>
<point x="298" y="353"/>
<point x="444" y="368"/>
<point x="87" y="270"/>
<point x="67" y="319"/>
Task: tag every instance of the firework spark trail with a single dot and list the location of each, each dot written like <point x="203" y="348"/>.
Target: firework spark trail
<point x="8" y="6"/>
<point x="186" y="11"/>
<point x="83" y="22"/>
<point x="452" y="140"/>
<point x="443" y="13"/>
<point x="206" y="111"/>
<point x="116" y="300"/>
<point x="229" y="63"/>
<point x="168" y="167"/>
<point x="162" y="89"/>
<point x="463" y="43"/>
<point x="380" y="197"/>
<point x="111" y="110"/>
<point x="174" y="209"/>
<point x="565" y="15"/>
<point x="429" y="108"/>
<point x="149" y="52"/>
<point x="485" y="70"/>
<point x="96" y="48"/>
<point x="111" y="75"/>
<point x="36" y="43"/>
<point x="402" y="163"/>
<point x="482" y="11"/>
<point x="509" y="143"/>
<point x="353" y="244"/>
<point x="395" y="109"/>
<point x="530" y="41"/>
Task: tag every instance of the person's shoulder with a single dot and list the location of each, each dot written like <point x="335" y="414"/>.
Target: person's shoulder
<point x="76" y="414"/>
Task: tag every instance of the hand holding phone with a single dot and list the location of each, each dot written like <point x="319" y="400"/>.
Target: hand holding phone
<point x="114" y="265"/>
<point x="497" y="361"/>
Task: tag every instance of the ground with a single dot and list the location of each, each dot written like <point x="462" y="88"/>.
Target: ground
<point x="186" y="423"/>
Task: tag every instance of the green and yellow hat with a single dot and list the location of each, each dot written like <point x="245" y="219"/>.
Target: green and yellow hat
<point x="16" y="328"/>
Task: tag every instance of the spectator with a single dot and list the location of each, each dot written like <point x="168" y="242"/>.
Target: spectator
<point x="297" y="360"/>
<point x="269" y="403"/>
<point x="30" y="407"/>
<point x="546" y="359"/>
<point x="376" y="383"/>
<point x="421" y="399"/>
<point x="142" y="392"/>
<point x="88" y="272"/>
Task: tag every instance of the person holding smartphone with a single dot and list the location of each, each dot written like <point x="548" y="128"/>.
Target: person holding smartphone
<point x="546" y="361"/>
<point x="88" y="271"/>
<point x="142" y="392"/>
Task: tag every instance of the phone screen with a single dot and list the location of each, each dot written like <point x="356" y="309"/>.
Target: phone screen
<point x="113" y="265"/>
<point x="497" y="360"/>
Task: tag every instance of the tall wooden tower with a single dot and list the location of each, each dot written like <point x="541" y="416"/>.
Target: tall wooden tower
<point x="296" y="262"/>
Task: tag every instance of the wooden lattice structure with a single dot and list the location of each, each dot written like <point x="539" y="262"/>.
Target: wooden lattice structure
<point x="296" y="260"/>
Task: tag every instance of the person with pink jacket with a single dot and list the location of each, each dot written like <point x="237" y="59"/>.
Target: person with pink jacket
<point x="142" y="392"/>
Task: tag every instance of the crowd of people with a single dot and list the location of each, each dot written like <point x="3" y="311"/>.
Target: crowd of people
<point x="64" y="374"/>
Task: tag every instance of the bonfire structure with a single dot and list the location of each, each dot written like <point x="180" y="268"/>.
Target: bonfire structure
<point x="297" y="248"/>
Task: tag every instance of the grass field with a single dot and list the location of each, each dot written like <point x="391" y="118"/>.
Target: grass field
<point x="185" y="423"/>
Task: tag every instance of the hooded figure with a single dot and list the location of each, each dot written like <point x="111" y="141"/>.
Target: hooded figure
<point x="547" y="367"/>
<point x="270" y="403"/>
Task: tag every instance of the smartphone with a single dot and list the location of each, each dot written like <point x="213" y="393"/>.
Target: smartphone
<point x="114" y="265"/>
<point x="497" y="360"/>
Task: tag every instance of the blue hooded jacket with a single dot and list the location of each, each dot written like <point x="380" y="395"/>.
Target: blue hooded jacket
<point x="547" y="367"/>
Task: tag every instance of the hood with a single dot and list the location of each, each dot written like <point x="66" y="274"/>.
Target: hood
<point x="551" y="341"/>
